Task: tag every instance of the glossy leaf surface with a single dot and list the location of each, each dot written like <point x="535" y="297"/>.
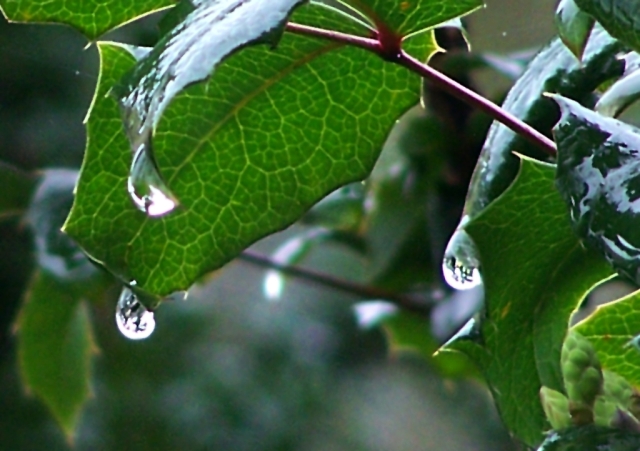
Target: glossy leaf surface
<point x="91" y="17"/>
<point x="246" y="153"/>
<point x="532" y="285"/>
<point x="598" y="167"/>
<point x="54" y="348"/>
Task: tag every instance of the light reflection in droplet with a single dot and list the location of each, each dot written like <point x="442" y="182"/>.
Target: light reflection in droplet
<point x="132" y="317"/>
<point x="461" y="262"/>
<point x="146" y="187"/>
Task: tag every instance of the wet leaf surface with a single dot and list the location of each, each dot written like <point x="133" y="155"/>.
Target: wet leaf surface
<point x="246" y="154"/>
<point x="535" y="273"/>
<point x="591" y="438"/>
<point x="598" y="178"/>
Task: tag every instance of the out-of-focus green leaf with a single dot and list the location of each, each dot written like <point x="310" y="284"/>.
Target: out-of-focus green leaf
<point x="17" y="188"/>
<point x="535" y="273"/>
<point x="598" y="178"/>
<point x="412" y="16"/>
<point x="591" y="438"/>
<point x="621" y="18"/>
<point x="92" y="17"/>
<point x="54" y="348"/>
<point x="574" y="26"/>
<point x="409" y="332"/>
<point x="611" y="330"/>
<point x="56" y="252"/>
<point x="246" y="154"/>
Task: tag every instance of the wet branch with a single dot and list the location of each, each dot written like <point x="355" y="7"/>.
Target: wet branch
<point x="380" y="46"/>
<point x="408" y="302"/>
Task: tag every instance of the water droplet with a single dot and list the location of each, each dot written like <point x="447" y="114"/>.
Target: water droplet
<point x="133" y="319"/>
<point x="146" y="188"/>
<point x="460" y="264"/>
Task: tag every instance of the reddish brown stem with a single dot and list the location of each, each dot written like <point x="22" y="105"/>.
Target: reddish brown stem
<point x="380" y="46"/>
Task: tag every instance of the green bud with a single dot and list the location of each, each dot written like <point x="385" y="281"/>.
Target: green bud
<point x="582" y="375"/>
<point x="556" y="408"/>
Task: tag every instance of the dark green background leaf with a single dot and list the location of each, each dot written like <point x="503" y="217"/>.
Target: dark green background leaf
<point x="621" y="18"/>
<point x="535" y="273"/>
<point x="54" y="348"/>
<point x="92" y="17"/>
<point x="246" y="154"/>
<point x="17" y="187"/>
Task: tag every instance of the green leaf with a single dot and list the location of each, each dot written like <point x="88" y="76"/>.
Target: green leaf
<point x="611" y="330"/>
<point x="408" y="17"/>
<point x="54" y="348"/>
<point x="554" y="69"/>
<point x="410" y="333"/>
<point x="246" y="154"/>
<point x="598" y="177"/>
<point x="189" y="53"/>
<point x="621" y="18"/>
<point x="620" y="95"/>
<point x="574" y="26"/>
<point x="93" y="18"/>
<point x="591" y="438"/>
<point x="17" y="188"/>
<point x="535" y="273"/>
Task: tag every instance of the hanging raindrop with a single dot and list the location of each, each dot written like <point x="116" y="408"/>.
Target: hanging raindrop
<point x="460" y="264"/>
<point x="134" y="320"/>
<point x="146" y="188"/>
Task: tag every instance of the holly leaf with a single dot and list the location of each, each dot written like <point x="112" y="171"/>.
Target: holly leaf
<point x="611" y="330"/>
<point x="246" y="154"/>
<point x="93" y="18"/>
<point x="621" y="18"/>
<point x="554" y="69"/>
<point x="574" y="26"/>
<point x="55" y="347"/>
<point x="405" y="18"/>
<point x="598" y="169"/>
<point x="535" y="274"/>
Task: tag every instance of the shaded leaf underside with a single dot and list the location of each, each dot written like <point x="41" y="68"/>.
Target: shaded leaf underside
<point x="54" y="348"/>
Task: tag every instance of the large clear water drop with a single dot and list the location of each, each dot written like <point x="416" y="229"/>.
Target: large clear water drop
<point x="134" y="320"/>
<point x="146" y="187"/>
<point x="460" y="266"/>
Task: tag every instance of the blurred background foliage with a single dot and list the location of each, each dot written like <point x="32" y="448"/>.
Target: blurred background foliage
<point x="231" y="369"/>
